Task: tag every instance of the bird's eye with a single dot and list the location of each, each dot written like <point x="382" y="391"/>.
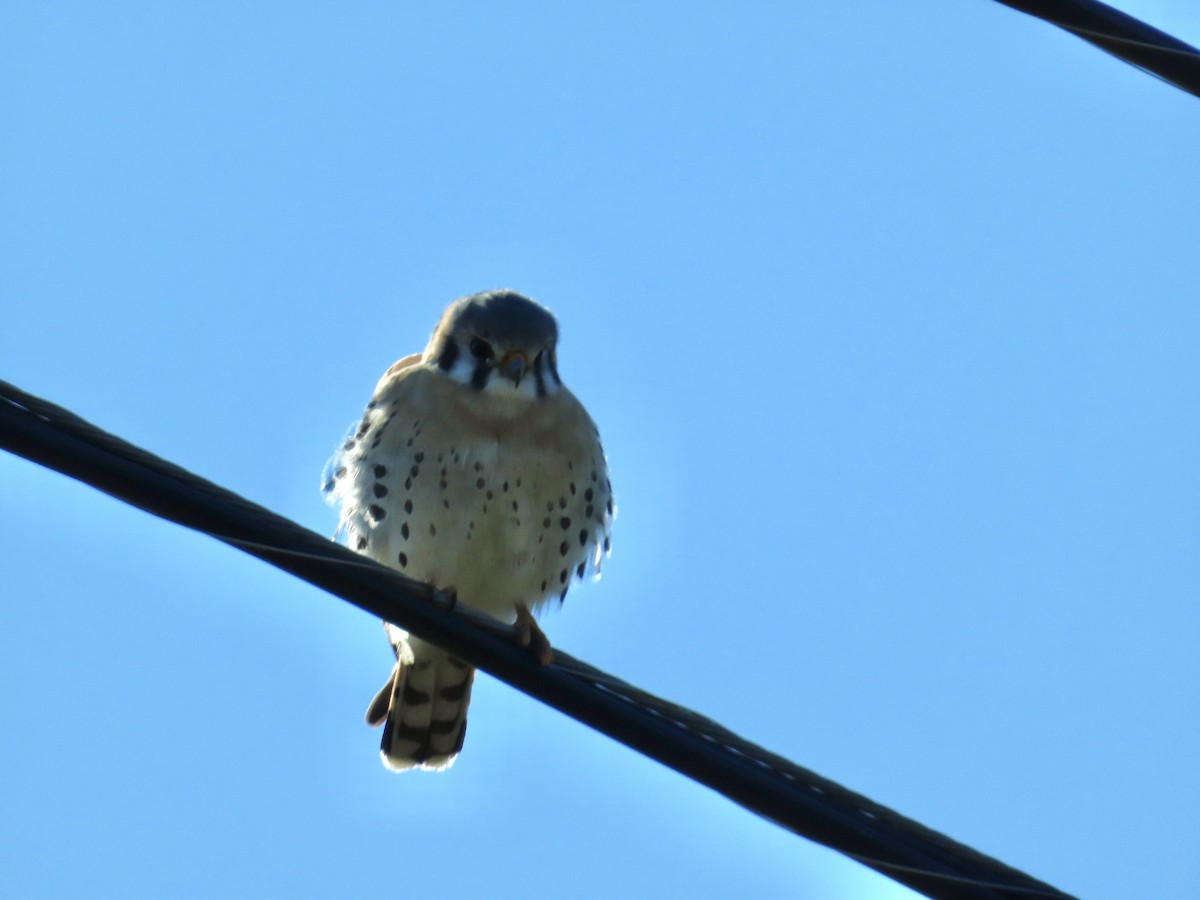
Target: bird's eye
<point x="481" y="349"/>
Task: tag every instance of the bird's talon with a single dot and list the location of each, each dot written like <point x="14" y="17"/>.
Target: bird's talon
<point x="447" y="597"/>
<point x="531" y="637"/>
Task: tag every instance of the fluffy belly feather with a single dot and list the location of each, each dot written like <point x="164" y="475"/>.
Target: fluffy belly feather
<point x="505" y="522"/>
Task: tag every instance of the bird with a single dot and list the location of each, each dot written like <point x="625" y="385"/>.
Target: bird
<point x="473" y="469"/>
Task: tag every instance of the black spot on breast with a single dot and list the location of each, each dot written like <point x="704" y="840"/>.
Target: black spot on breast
<point x="562" y="577"/>
<point x="420" y="457"/>
<point x="580" y="569"/>
<point x="546" y="522"/>
<point x="543" y="584"/>
<point x="490" y="495"/>
<point x="565" y="523"/>
<point x="379" y="490"/>
<point x="415" y="471"/>
<point x="380" y="471"/>
<point x="588" y="495"/>
<point x="408" y="506"/>
<point x="479" y="483"/>
<point x="377" y="512"/>
<point x="607" y="545"/>
<point x="563" y="548"/>
<point x="571" y="486"/>
<point x="587" y="513"/>
<point x="361" y="543"/>
<point x="608" y="505"/>
<point x="404" y="531"/>
<point x="562" y="502"/>
<point x="478" y="466"/>
<point x="403" y="560"/>
<point x="583" y="536"/>
<point x="432" y="530"/>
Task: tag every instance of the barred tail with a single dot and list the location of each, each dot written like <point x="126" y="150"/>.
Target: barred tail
<point x="423" y="708"/>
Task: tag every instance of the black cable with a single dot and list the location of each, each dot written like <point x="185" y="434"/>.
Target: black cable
<point x="1123" y="36"/>
<point x="763" y="782"/>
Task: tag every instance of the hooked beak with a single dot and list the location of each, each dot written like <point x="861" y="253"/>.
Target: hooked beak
<point x="513" y="367"/>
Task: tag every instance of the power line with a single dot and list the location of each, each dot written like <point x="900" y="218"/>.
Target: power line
<point x="761" y="781"/>
<point x="1123" y="36"/>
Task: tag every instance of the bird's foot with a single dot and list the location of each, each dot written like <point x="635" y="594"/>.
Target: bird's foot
<point x="531" y="637"/>
<point x="446" y="597"/>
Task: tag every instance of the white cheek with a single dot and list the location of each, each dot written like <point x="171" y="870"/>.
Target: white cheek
<point x="463" y="369"/>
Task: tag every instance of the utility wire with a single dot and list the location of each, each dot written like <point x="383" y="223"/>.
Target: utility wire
<point x="1123" y="36"/>
<point x="763" y="782"/>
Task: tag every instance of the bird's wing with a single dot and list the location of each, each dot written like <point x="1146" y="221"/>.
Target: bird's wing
<point x="397" y="367"/>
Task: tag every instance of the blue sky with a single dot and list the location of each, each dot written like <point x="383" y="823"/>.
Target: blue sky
<point x="887" y="313"/>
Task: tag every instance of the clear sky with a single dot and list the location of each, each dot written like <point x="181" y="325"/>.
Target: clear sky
<point x="888" y="313"/>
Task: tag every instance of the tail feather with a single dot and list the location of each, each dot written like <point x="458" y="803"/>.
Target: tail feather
<point x="378" y="709"/>
<point x="423" y="708"/>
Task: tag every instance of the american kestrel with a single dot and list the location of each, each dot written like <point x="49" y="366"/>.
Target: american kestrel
<point x="475" y="470"/>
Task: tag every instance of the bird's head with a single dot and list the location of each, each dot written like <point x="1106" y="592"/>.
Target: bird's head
<point x="499" y="343"/>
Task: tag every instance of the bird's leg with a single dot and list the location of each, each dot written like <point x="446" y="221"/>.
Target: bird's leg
<point x="530" y="636"/>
